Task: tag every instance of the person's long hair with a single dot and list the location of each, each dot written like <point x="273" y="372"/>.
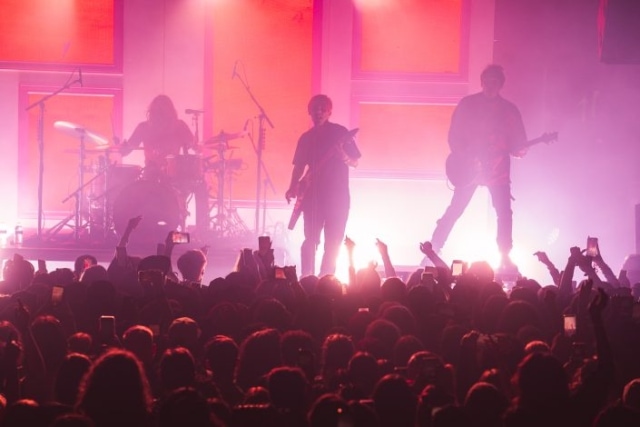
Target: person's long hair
<point x="161" y="111"/>
<point x="115" y="391"/>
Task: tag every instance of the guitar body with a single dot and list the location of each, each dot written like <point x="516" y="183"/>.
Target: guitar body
<point x="303" y="186"/>
<point x="463" y="167"/>
<point x="305" y="181"/>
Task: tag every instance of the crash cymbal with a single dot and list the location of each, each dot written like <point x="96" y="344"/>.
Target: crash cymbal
<point x="78" y="131"/>
<point x="224" y="137"/>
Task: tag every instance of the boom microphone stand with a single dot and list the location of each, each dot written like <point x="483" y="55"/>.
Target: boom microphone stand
<point x="260" y="147"/>
<point x="40" y="104"/>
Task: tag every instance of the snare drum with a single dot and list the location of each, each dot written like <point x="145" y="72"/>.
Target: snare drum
<point x="185" y="168"/>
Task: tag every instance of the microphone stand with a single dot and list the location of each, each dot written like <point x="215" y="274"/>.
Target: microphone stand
<point x="267" y="180"/>
<point x="261" y="145"/>
<point x="40" y="104"/>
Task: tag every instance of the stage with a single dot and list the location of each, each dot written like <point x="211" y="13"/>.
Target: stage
<point x="60" y="251"/>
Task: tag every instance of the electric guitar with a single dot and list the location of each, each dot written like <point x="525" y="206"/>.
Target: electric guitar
<point x="305" y="182"/>
<point x="463" y="167"/>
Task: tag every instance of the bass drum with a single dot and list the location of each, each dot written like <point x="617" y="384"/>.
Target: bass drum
<point x="159" y="206"/>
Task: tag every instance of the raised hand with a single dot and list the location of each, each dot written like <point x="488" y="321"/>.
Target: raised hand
<point x="349" y="244"/>
<point x="542" y="257"/>
<point x="426" y="248"/>
<point x="382" y="247"/>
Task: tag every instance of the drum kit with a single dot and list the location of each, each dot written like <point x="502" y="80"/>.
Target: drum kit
<point x="116" y="192"/>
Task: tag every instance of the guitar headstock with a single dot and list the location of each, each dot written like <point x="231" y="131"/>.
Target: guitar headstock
<point x="549" y="137"/>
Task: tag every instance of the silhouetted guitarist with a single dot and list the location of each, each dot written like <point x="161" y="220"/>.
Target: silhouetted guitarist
<point x="326" y="151"/>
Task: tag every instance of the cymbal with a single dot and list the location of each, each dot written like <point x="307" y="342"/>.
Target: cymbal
<point x="221" y="146"/>
<point x="99" y="150"/>
<point x="224" y="137"/>
<point x="78" y="131"/>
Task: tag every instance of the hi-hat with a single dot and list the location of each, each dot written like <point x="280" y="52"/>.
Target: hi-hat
<point x="78" y="131"/>
<point x="224" y="137"/>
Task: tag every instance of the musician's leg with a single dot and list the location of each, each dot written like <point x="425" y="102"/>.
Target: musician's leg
<point x="459" y="201"/>
<point x="313" y="221"/>
<point x="334" y="227"/>
<point x="501" y="199"/>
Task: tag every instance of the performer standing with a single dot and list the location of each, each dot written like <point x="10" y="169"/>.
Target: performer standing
<point x="327" y="150"/>
<point x="485" y="131"/>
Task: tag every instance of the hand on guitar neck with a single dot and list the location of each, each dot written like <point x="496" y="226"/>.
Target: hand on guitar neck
<point x="462" y="167"/>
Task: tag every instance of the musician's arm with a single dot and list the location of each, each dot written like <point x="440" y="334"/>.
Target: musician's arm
<point x="134" y="140"/>
<point x="296" y="174"/>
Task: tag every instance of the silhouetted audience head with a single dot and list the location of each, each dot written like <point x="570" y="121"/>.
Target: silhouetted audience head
<point x="177" y="369"/>
<point x="80" y="342"/>
<point x="82" y="263"/>
<point x="259" y="353"/>
<point x="185" y="407"/>
<point x="394" y="401"/>
<point x="631" y="394"/>
<point x="115" y="391"/>
<point x="329" y="410"/>
<point x="69" y="377"/>
<point x="485" y="405"/>
<point x="138" y="339"/>
<point x="192" y="265"/>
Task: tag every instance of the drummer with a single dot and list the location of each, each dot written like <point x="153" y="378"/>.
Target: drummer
<point x="163" y="134"/>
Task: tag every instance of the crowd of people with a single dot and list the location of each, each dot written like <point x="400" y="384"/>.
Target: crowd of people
<point x="149" y="341"/>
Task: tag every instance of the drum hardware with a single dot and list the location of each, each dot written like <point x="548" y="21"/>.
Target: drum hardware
<point x="226" y="222"/>
<point x="83" y="135"/>
<point x="224" y="137"/>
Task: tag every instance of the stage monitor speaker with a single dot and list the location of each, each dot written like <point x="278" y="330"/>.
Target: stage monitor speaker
<point x="619" y="31"/>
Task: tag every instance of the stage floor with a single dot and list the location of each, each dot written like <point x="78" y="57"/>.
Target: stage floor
<point x="62" y="250"/>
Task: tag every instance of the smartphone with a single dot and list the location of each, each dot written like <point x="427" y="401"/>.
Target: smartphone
<point x="592" y="247"/>
<point x="264" y="243"/>
<point x="426" y="278"/>
<point x="42" y="265"/>
<point x="363" y="310"/>
<point x="279" y="273"/>
<point x="178" y="237"/>
<point x="107" y="326"/>
<point x="56" y="295"/>
<point x="160" y="247"/>
<point x="569" y="325"/>
<point x="456" y="267"/>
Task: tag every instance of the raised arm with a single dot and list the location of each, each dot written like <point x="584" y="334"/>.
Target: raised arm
<point x="389" y="270"/>
<point x="553" y="271"/>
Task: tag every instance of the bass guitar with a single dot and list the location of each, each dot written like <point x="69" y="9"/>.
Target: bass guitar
<point x="305" y="182"/>
<point x="463" y="167"/>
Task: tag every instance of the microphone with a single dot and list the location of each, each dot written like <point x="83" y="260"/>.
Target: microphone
<point x="190" y="111"/>
<point x="80" y="77"/>
<point x="235" y="66"/>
